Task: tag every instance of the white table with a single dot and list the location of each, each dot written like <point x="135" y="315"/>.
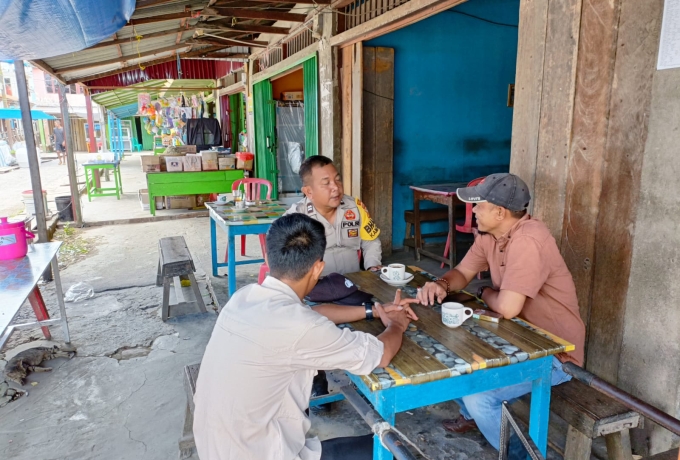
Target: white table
<point x="18" y="279"/>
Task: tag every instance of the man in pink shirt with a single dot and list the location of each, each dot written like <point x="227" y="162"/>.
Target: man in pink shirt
<point x="529" y="280"/>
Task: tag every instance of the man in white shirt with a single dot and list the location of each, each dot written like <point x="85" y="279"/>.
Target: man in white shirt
<point x="256" y="375"/>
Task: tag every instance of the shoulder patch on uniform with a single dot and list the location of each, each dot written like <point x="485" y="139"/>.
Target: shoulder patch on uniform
<point x="349" y="215"/>
<point x="369" y="230"/>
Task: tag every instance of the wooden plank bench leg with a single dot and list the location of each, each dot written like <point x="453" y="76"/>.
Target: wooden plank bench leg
<point x="187" y="445"/>
<point x="578" y="446"/>
<point x="197" y="293"/>
<point x="165" y="309"/>
<point x="618" y="445"/>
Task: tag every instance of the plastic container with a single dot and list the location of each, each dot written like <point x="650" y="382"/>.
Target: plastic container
<point x="29" y="203"/>
<point x="244" y="160"/>
<point x="65" y="208"/>
<point x="13" y="236"/>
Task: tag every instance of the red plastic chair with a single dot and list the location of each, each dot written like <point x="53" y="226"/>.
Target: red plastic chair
<point x="469" y="225"/>
<point x="252" y="189"/>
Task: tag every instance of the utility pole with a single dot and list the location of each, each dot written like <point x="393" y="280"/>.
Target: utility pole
<point x="70" y="158"/>
<point x="33" y="161"/>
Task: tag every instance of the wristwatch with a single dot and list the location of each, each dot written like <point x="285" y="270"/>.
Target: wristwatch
<point x="369" y="310"/>
<point x="480" y="291"/>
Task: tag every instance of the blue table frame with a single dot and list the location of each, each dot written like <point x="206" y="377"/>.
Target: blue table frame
<point x="232" y="230"/>
<point x="407" y="397"/>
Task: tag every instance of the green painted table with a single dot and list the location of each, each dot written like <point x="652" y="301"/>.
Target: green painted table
<point x="189" y="183"/>
<point x="91" y="180"/>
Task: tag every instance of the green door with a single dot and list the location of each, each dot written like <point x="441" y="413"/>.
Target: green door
<point x="311" y="98"/>
<point x="265" y="139"/>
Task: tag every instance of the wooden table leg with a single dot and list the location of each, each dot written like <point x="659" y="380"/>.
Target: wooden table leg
<point x="417" y="238"/>
<point x="40" y="310"/>
<point x="452" y="232"/>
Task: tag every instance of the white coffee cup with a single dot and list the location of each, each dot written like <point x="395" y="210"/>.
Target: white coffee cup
<point x="395" y="272"/>
<point x="222" y="197"/>
<point x="455" y="314"/>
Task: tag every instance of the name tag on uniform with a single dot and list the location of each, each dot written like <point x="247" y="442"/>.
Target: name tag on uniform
<point x="351" y="224"/>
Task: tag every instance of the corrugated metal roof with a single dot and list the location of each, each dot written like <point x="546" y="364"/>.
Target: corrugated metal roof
<point x="124" y="97"/>
<point x="76" y="66"/>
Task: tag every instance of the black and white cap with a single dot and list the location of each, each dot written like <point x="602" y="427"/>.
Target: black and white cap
<point x="505" y="189"/>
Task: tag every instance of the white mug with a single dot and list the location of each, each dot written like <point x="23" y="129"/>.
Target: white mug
<point x="455" y="314"/>
<point x="222" y="197"/>
<point x="395" y="272"/>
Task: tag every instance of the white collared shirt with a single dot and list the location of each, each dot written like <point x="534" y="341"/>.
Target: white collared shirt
<point x="256" y="375"/>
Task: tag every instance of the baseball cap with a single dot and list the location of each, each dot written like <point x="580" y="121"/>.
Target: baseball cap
<point x="336" y="288"/>
<point x="505" y="189"/>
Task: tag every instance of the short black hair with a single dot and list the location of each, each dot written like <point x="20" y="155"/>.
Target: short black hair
<point x="315" y="161"/>
<point x="294" y="243"/>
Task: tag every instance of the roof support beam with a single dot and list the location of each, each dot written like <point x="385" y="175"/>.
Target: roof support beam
<point x="160" y="18"/>
<point x="254" y="14"/>
<point x="141" y="4"/>
<point x="42" y="65"/>
<point x="304" y="2"/>
<point x="226" y="41"/>
<point x="194" y="53"/>
<point x="123" y="58"/>
<point x="253" y="28"/>
<point x="131" y="40"/>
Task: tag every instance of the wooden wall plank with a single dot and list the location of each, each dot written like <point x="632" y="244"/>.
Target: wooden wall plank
<point x="559" y="74"/>
<point x="595" y="70"/>
<point x="346" y="94"/>
<point x="533" y="15"/>
<point x="637" y="45"/>
<point x="357" y="107"/>
<point x="384" y="141"/>
<point x="368" y="153"/>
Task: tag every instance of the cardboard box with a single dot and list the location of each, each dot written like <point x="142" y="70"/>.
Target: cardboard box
<point x="202" y="199"/>
<point x="174" y="163"/>
<point x="209" y="160"/>
<point x="192" y="162"/>
<point x="150" y="163"/>
<point x="186" y="148"/>
<point x="292" y="96"/>
<point x="160" y="202"/>
<point x="248" y="164"/>
<point x="180" y="202"/>
<point x="143" y="195"/>
<point x="225" y="162"/>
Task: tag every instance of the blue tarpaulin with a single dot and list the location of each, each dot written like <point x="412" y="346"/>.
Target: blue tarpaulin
<point x="6" y="114"/>
<point x="39" y="29"/>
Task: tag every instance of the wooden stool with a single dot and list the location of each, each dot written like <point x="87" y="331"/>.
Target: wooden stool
<point x="426" y="215"/>
<point x="187" y="445"/>
<point x="590" y="414"/>
<point x="174" y="262"/>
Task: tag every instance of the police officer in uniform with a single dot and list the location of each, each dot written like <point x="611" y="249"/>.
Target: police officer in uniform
<point x="350" y="231"/>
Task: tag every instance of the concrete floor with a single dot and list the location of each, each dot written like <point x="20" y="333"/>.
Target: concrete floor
<point x="122" y="396"/>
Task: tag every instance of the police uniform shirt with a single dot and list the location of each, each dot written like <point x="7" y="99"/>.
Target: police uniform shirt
<point x="353" y="230"/>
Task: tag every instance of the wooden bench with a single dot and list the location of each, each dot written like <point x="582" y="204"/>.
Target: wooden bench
<point x="589" y="414"/>
<point x="672" y="454"/>
<point x="187" y="445"/>
<point x="426" y="215"/>
<point x="174" y="263"/>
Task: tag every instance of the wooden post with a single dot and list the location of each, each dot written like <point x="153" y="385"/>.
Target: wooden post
<point x="357" y="104"/>
<point x="329" y="97"/>
<point x="346" y="82"/>
<point x="90" y="123"/>
<point x="33" y="161"/>
<point x="70" y="159"/>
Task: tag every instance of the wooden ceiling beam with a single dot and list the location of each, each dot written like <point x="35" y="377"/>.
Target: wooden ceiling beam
<point x="269" y="15"/>
<point x="253" y="28"/>
<point x="304" y="2"/>
<point x="131" y="40"/>
<point x="228" y="42"/>
<point x="160" y="18"/>
<point x="117" y="60"/>
<point x="141" y="4"/>
<point x="146" y="64"/>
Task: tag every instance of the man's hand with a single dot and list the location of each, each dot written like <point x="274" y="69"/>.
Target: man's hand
<point x="394" y="318"/>
<point x="431" y="292"/>
<point x="399" y="304"/>
<point x="374" y="269"/>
